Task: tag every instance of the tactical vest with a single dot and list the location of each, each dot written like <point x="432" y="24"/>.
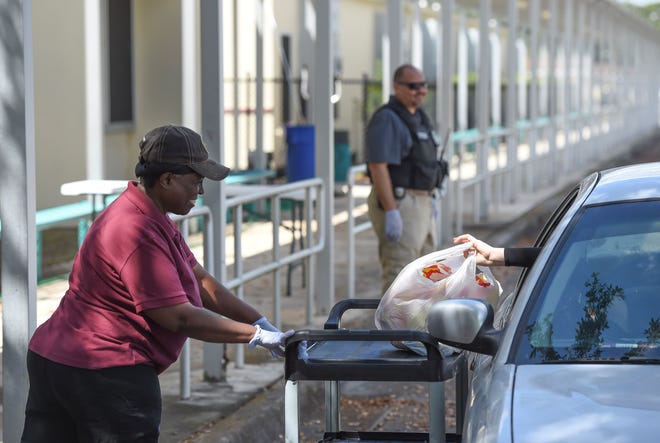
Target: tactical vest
<point x="420" y="168"/>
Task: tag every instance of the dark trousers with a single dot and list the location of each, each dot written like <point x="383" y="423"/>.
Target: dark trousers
<point x="67" y="404"/>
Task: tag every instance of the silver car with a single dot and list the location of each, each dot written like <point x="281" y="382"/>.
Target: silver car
<point x="573" y="354"/>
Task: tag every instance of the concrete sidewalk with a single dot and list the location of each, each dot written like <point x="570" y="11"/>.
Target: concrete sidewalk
<point x="248" y="406"/>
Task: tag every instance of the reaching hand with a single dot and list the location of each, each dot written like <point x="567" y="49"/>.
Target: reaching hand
<point x="272" y="340"/>
<point x="486" y="254"/>
<point x="264" y="324"/>
<point x="393" y="225"/>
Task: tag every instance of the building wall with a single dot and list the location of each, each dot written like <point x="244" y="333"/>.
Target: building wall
<point x="59" y="63"/>
<point x="157" y="80"/>
<point x="59" y="36"/>
<point x="357" y="47"/>
<point x="59" y="86"/>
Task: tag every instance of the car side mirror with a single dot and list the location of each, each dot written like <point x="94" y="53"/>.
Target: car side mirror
<point x="465" y="324"/>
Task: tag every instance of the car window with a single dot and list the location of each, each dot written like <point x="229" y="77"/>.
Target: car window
<point x="600" y="297"/>
<point x="505" y="307"/>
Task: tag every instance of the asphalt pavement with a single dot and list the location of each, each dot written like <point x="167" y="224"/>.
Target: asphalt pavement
<point x="248" y="407"/>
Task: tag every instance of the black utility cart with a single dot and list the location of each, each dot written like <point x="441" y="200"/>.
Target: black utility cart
<point x="334" y="354"/>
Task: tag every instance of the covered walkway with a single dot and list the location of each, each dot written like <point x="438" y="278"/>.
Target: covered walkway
<point x="572" y="81"/>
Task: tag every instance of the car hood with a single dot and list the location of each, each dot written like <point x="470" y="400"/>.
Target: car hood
<point x="586" y="403"/>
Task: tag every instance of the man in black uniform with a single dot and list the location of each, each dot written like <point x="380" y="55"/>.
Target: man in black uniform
<point x="402" y="159"/>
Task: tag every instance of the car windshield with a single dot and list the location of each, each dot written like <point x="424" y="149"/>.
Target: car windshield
<point x="600" y="298"/>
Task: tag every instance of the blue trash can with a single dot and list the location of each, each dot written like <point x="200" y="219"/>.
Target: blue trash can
<point x="300" y="152"/>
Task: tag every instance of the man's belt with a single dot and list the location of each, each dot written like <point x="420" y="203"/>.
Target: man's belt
<point x="400" y="192"/>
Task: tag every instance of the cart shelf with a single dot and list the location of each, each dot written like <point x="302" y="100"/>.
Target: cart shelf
<point x="334" y="354"/>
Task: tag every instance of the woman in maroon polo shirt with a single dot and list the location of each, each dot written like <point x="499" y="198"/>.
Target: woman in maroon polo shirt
<point x="136" y="293"/>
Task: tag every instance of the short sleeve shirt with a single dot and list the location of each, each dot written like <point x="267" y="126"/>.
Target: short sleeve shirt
<point x="388" y="139"/>
<point x="133" y="258"/>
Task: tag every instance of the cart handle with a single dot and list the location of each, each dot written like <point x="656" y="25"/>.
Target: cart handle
<point x="334" y="318"/>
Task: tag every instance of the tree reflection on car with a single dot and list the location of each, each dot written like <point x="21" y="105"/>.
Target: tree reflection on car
<point x="596" y="331"/>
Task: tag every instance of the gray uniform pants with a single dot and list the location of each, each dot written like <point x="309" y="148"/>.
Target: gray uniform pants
<point x="418" y="237"/>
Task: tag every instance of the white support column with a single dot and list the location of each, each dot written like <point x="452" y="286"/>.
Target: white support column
<point x="236" y="86"/>
<point x="589" y="93"/>
<point x="553" y="90"/>
<point x="496" y="78"/>
<point x="521" y="54"/>
<point x="600" y="76"/>
<point x="638" y="84"/>
<point x="543" y="76"/>
<point x="324" y="152"/>
<point x="613" y="114"/>
<point x="212" y="133"/>
<point x="393" y="43"/>
<point x="259" y="159"/>
<point x="482" y="108"/>
<point x="579" y="87"/>
<point x="595" y="75"/>
<point x="568" y="55"/>
<point x="416" y="40"/>
<point x="534" y="23"/>
<point x="616" y="76"/>
<point x="628" y="81"/>
<point x="511" y="116"/>
<point x="189" y="65"/>
<point x="17" y="209"/>
<point x="635" y="80"/>
<point x="462" y="63"/>
<point x="189" y="118"/>
<point x="446" y="69"/>
<point x="306" y="55"/>
<point x="445" y="107"/>
<point x="93" y="89"/>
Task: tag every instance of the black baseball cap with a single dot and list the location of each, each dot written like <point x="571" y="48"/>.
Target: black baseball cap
<point x="172" y="148"/>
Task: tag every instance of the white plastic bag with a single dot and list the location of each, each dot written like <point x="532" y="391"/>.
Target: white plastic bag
<point x="472" y="281"/>
<point x="436" y="276"/>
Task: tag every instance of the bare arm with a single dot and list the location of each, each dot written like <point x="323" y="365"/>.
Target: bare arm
<point x="486" y="254"/>
<point x="219" y="299"/>
<point x="207" y="323"/>
<point x="382" y="185"/>
<point x="201" y="324"/>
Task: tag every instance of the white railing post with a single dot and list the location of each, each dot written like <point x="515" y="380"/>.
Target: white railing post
<point x="353" y="229"/>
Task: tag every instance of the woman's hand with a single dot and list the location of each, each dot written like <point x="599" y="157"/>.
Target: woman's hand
<point x="486" y="254"/>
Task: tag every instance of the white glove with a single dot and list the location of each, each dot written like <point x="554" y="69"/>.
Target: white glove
<point x="393" y="225"/>
<point x="273" y="341"/>
<point x="264" y="324"/>
<point x="444" y="186"/>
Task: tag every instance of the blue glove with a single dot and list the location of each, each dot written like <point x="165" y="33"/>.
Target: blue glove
<point x="393" y="225"/>
<point x="265" y="324"/>
<point x="273" y="341"/>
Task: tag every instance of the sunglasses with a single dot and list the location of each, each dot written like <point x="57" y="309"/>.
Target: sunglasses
<point x="414" y="86"/>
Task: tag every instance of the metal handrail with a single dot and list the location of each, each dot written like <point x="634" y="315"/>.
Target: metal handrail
<point x="311" y="191"/>
<point x="306" y="192"/>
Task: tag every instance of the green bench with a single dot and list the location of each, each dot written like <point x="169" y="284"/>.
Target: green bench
<point x="81" y="211"/>
<point x="57" y="215"/>
<point x="249" y="176"/>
